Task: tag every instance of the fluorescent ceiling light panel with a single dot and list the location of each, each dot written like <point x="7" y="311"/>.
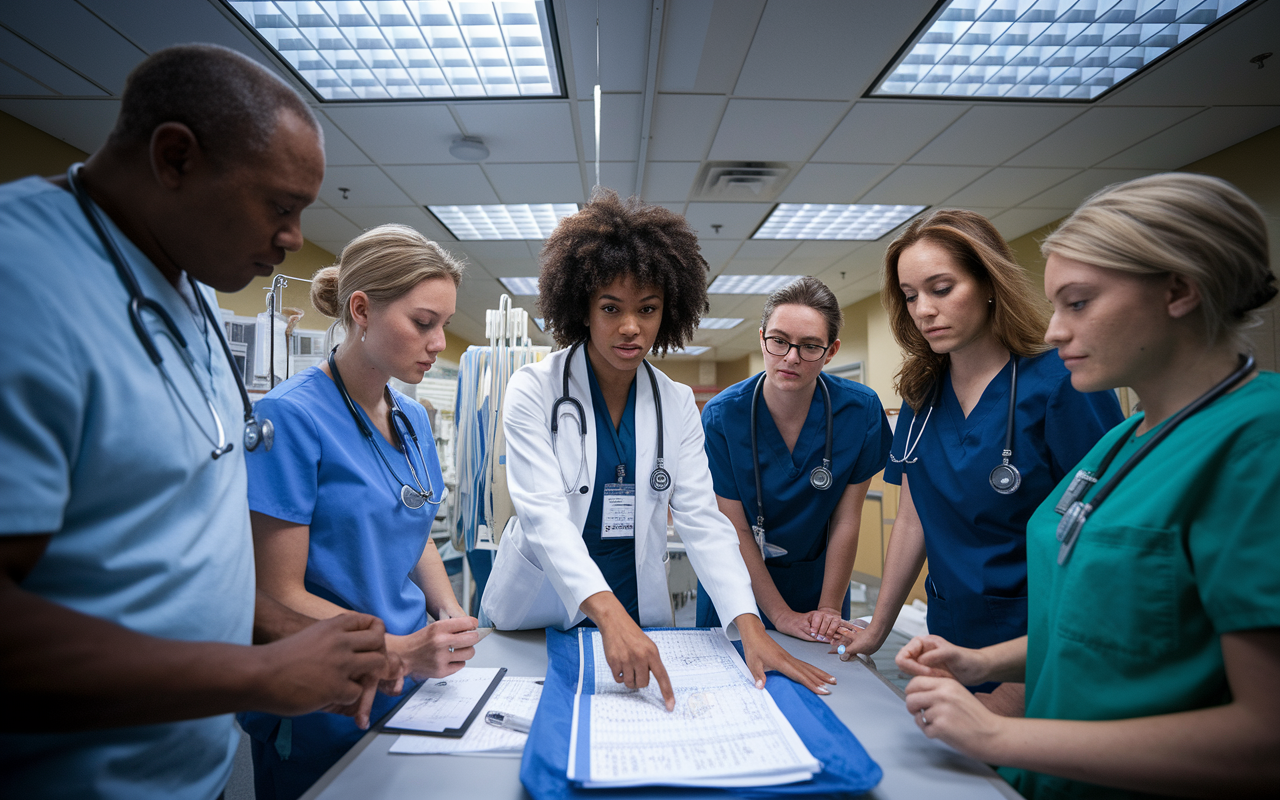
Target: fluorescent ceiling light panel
<point x="539" y="322"/>
<point x="832" y="221"/>
<point x="718" y="323"/>
<point x="749" y="284"/>
<point x="521" y="221"/>
<point x="1043" y="49"/>
<point x="411" y="50"/>
<point x="688" y="351"/>
<point x="521" y="286"/>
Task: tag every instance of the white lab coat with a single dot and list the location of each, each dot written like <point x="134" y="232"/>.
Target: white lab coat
<point x="543" y="571"/>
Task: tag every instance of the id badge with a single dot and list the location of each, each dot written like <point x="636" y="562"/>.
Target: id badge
<point x="619" y="517"/>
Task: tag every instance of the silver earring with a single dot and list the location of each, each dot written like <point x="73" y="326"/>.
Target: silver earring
<point x="362" y="335"/>
<point x="991" y="301"/>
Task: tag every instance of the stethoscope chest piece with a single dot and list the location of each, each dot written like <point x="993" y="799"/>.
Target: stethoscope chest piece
<point x="411" y="497"/>
<point x="1006" y="479"/>
<point x="660" y="479"/>
<point x="820" y="478"/>
<point x="259" y="433"/>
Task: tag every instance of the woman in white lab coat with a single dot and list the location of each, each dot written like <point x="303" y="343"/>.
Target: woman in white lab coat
<point x="594" y="464"/>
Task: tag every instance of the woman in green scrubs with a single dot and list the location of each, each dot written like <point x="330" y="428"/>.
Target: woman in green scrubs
<point x="1152" y="658"/>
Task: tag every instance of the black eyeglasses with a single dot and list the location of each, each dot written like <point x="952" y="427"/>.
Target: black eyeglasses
<point x="780" y="347"/>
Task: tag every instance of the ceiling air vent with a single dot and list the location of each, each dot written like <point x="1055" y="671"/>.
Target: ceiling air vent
<point x="758" y="181"/>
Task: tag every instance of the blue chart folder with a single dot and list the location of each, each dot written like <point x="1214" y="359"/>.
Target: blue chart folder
<point x="847" y="769"/>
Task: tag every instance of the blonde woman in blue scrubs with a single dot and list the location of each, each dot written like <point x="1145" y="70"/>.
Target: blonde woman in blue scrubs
<point x="1153" y="654"/>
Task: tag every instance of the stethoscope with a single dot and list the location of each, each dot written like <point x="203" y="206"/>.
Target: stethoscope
<point x="255" y="431"/>
<point x="1075" y="512"/>
<point x="1005" y="478"/>
<point x="820" y="478"/>
<point x="411" y="497"/>
<point x="659" y="479"/>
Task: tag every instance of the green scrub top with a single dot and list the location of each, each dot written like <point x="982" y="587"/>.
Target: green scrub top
<point x="1184" y="550"/>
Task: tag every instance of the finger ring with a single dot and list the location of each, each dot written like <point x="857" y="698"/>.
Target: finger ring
<point x="923" y="721"/>
<point x="619" y="674"/>
<point x="450" y="648"/>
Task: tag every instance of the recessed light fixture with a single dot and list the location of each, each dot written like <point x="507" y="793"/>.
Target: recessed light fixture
<point x="831" y="221"/>
<point x="1043" y="50"/>
<point x="495" y="223"/>
<point x="411" y="49"/>
<point x="469" y="148"/>
<point x="688" y="351"/>
<point x="749" y="284"/>
<point x="718" y="323"/>
<point x="521" y="286"/>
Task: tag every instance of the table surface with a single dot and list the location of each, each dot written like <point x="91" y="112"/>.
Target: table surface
<point x="914" y="765"/>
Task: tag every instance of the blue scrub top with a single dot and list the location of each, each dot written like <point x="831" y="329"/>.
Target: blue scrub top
<point x="796" y="514"/>
<point x="616" y="558"/>
<point x="364" y="542"/>
<point x="975" y="537"/>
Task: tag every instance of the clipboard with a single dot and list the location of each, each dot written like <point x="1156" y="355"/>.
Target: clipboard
<point x="449" y="733"/>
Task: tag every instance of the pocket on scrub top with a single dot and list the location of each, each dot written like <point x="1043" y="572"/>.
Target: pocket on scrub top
<point x="1007" y="617"/>
<point x="1129" y="571"/>
<point x="518" y="595"/>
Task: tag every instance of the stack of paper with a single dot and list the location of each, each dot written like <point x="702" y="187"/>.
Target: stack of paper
<point x="444" y="704"/>
<point x="517" y="696"/>
<point x="724" y="731"/>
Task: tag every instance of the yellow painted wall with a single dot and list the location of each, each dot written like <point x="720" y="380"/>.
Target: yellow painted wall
<point x="26" y="150"/>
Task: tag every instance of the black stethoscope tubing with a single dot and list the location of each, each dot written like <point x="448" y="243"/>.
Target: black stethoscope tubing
<point x="659" y="479"/>
<point x="255" y="431"/>
<point x="412" y="498"/>
<point x="820" y="478"/>
<point x="1075" y="512"/>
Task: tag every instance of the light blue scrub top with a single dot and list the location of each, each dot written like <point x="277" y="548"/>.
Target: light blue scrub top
<point x="975" y="537"/>
<point x="616" y="558"/>
<point x="796" y="514"/>
<point x="364" y="542"/>
<point x="149" y="532"/>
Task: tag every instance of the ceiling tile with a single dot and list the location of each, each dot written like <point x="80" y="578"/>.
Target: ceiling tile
<point x="988" y="135"/>
<point x="824" y="49"/>
<point x="880" y="132"/>
<point x="1008" y="186"/>
<point x="766" y="249"/>
<point x="536" y="183"/>
<point x="80" y="123"/>
<point x="325" y="224"/>
<point x="445" y="184"/>
<point x="1073" y="191"/>
<point x="338" y="149"/>
<point x="13" y="82"/>
<point x="619" y="127"/>
<point x="624" y="44"/>
<point x="512" y="268"/>
<point x="705" y="42"/>
<point x="773" y="130"/>
<point x="414" y="216"/>
<point x="38" y="65"/>
<point x="70" y="33"/>
<point x="395" y="134"/>
<point x="1020" y="221"/>
<point x="717" y="253"/>
<point x="521" y="131"/>
<point x="1208" y="132"/>
<point x="366" y="186"/>
<point x="619" y="176"/>
<point x="833" y="183"/>
<point x="737" y="220"/>
<point x="1098" y="134"/>
<point x="669" y="180"/>
<point x="920" y="185"/>
<point x="683" y="126"/>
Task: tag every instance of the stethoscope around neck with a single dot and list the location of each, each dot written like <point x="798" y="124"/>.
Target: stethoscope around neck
<point x="256" y="431"/>
<point x="411" y="497"/>
<point x="1005" y="478"/>
<point x="659" y="478"/>
<point x="819" y="478"/>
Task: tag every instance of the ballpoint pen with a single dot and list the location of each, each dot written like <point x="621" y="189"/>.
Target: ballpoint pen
<point x="511" y="722"/>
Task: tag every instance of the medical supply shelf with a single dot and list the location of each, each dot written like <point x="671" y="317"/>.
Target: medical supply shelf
<point x="914" y="766"/>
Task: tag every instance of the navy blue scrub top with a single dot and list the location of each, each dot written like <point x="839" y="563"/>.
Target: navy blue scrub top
<point x="974" y="536"/>
<point x="616" y="558"/>
<point x="796" y="514"/>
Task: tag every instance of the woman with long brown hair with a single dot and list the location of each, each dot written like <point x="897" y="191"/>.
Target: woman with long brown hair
<point x="989" y="424"/>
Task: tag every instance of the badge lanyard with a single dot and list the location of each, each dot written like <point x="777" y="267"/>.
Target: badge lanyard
<point x="618" y="517"/>
<point x="1075" y="512"/>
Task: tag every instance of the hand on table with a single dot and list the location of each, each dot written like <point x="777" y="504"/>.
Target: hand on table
<point x="945" y="710"/>
<point x="334" y="665"/>
<point x="857" y="639"/>
<point x="441" y="648"/>
<point x="762" y="653"/>
<point x="935" y="657"/>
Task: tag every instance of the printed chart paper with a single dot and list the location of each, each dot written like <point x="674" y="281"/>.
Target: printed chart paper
<point x="442" y="704"/>
<point x="723" y="732"/>
<point x="517" y="696"/>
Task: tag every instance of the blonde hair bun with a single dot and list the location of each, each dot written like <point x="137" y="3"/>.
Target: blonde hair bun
<point x="324" y="292"/>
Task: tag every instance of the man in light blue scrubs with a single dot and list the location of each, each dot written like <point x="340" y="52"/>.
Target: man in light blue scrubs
<point x="127" y="594"/>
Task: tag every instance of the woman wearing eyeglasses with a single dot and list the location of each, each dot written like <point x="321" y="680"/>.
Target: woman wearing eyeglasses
<point x="342" y="506"/>
<point x="1153" y="652"/>
<point x="798" y="531"/>
<point x="989" y="424"/>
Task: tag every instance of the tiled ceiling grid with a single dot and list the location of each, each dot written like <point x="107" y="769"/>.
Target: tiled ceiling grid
<point x="778" y="81"/>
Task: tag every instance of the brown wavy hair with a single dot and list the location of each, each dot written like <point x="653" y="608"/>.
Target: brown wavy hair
<point x="609" y="239"/>
<point x="1019" y="316"/>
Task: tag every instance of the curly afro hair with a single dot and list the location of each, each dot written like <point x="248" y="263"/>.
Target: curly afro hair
<point x="609" y="239"/>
